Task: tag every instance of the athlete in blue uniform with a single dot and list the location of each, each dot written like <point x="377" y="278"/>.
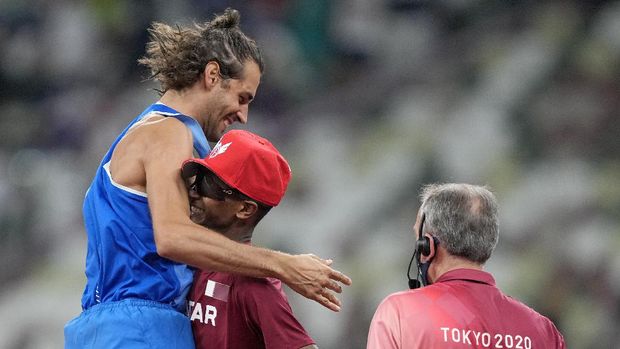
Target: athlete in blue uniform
<point x="141" y="241"/>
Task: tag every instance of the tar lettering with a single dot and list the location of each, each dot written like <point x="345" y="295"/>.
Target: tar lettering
<point x="205" y="317"/>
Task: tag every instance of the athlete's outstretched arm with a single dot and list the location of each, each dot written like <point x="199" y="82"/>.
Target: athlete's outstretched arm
<point x="177" y="238"/>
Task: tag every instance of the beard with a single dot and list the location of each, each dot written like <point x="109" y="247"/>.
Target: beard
<point x="209" y="220"/>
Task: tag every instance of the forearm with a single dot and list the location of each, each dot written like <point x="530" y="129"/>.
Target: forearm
<point x="166" y="145"/>
<point x="197" y="246"/>
<point x="194" y="245"/>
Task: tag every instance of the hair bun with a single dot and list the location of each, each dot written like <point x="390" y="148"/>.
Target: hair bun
<point x="229" y="19"/>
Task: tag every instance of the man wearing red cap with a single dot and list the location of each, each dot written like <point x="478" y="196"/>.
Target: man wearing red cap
<point x="231" y="190"/>
<point x="460" y="307"/>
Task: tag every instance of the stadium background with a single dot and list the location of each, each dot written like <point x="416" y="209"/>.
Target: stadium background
<point x="368" y="100"/>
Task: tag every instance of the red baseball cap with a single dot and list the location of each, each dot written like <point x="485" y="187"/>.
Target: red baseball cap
<point x="248" y="163"/>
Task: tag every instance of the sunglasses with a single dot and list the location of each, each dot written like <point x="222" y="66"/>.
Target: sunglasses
<point x="206" y="186"/>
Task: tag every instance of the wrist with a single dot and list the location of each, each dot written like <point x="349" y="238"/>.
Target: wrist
<point x="278" y="265"/>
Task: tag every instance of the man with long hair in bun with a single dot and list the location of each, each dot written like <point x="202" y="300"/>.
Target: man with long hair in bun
<point x="142" y="244"/>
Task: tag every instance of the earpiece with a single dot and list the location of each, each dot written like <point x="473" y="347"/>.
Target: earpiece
<point x="422" y="246"/>
<point x="423" y="243"/>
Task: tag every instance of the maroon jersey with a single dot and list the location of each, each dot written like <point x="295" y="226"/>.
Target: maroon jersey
<point x="462" y="309"/>
<point x="236" y="312"/>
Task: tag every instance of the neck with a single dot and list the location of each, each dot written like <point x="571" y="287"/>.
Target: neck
<point x="444" y="262"/>
<point x="183" y="101"/>
<point x="241" y="234"/>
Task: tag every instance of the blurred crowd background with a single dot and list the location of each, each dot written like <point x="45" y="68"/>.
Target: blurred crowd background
<point x="369" y="100"/>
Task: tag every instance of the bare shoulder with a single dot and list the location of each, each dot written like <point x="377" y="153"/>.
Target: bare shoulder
<point x="156" y="133"/>
<point x="158" y="130"/>
<point x="146" y="140"/>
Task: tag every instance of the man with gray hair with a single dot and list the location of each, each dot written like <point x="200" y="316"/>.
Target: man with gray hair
<point x="460" y="306"/>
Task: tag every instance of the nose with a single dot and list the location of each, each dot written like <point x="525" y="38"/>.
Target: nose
<point x="193" y="192"/>
<point x="242" y="115"/>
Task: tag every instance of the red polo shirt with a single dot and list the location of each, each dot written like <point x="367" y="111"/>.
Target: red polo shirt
<point x="236" y="312"/>
<point x="462" y="309"/>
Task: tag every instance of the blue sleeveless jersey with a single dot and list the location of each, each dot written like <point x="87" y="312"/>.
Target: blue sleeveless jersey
<point x="122" y="260"/>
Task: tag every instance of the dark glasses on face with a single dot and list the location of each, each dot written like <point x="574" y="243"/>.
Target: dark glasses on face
<point x="207" y="187"/>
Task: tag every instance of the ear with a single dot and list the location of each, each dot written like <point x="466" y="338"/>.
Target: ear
<point x="247" y="210"/>
<point x="424" y="259"/>
<point x="211" y="74"/>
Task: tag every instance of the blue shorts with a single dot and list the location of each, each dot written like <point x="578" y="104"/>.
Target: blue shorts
<point x="130" y="323"/>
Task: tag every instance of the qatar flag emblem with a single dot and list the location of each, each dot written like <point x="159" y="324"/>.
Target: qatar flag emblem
<point x="217" y="290"/>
